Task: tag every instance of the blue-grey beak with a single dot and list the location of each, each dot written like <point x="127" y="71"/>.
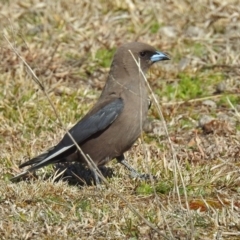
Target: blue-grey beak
<point x="159" y="56"/>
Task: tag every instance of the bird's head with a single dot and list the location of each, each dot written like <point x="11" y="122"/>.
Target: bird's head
<point x="143" y="53"/>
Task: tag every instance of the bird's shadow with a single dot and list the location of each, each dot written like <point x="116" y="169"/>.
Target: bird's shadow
<point x="76" y="173"/>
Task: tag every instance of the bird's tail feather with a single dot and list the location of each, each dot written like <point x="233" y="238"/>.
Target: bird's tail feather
<point x="20" y="176"/>
<point x="35" y="167"/>
<point x="37" y="159"/>
<point x="36" y="162"/>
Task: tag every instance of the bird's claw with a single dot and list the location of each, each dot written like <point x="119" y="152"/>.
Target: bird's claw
<point x="142" y="176"/>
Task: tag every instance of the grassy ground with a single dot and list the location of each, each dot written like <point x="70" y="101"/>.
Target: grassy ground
<point x="69" y="45"/>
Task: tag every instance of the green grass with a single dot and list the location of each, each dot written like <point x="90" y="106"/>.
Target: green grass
<point x="104" y="57"/>
<point x="155" y="27"/>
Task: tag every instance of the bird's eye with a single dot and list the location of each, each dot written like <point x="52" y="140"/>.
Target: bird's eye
<point x="142" y="54"/>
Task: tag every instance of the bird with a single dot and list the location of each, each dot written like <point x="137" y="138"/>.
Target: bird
<point x="115" y="122"/>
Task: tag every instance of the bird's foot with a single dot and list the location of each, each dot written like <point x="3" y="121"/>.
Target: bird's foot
<point x="141" y="176"/>
<point x="133" y="172"/>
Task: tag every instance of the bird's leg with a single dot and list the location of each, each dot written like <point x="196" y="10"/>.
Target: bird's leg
<point x="134" y="173"/>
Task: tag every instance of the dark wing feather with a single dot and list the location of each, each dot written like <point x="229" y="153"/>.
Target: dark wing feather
<point x="94" y="122"/>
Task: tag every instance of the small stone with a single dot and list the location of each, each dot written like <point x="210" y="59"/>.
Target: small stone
<point x="154" y="127"/>
<point x="209" y="103"/>
<point x="194" y="31"/>
<point x="205" y="119"/>
<point x="169" y="31"/>
<point x="220" y="87"/>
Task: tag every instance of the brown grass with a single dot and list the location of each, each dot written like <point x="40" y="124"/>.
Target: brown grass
<point x="69" y="45"/>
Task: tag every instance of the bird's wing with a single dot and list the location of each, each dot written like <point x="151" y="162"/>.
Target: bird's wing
<point x="95" y="121"/>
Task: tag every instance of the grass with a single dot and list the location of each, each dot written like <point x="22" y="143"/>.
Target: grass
<point x="69" y="45"/>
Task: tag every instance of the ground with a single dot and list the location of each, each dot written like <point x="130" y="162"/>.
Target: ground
<point x="193" y="147"/>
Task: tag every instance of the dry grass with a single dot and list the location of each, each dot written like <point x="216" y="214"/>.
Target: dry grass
<point x="69" y="45"/>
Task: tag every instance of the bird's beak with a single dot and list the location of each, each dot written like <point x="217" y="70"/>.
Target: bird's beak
<point x="159" y="56"/>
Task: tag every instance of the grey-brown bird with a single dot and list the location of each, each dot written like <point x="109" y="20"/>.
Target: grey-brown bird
<point x="115" y="122"/>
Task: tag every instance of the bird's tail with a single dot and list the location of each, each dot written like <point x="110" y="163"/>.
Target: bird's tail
<point x="36" y="162"/>
<point x="20" y="176"/>
<point x="37" y="159"/>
